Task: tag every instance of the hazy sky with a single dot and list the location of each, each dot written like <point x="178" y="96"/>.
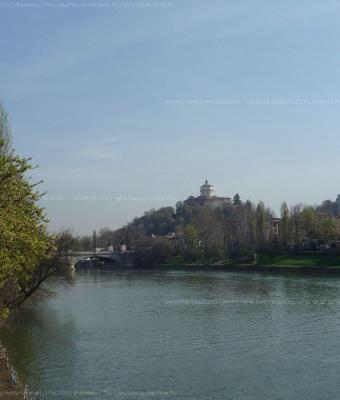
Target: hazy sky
<point x="127" y="106"/>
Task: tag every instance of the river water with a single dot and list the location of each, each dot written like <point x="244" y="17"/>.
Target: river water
<point x="182" y="335"/>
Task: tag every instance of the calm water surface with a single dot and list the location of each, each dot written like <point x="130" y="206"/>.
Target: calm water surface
<point x="182" y="335"/>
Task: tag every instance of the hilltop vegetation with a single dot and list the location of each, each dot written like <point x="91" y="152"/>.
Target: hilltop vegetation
<point x="202" y="234"/>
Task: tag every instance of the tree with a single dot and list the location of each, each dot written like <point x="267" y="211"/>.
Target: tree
<point x="25" y="244"/>
<point x="309" y="222"/>
<point x="5" y="131"/>
<point x="85" y="243"/>
<point x="237" y="200"/>
<point x="94" y="241"/>
<point x="295" y="224"/>
<point x="56" y="262"/>
<point x="260" y="224"/>
<point x="105" y="236"/>
<point x="326" y="208"/>
<point x="284" y="226"/>
<point x="210" y="230"/>
<point x="327" y="229"/>
<point x="191" y="236"/>
<point x="160" y="251"/>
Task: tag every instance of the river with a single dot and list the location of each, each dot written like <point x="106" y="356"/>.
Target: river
<point x="182" y="335"/>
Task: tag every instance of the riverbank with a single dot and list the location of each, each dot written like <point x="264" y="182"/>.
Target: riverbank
<point x="8" y="388"/>
<point x="307" y="261"/>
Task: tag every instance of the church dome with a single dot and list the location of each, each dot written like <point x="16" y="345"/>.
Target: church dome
<point x="207" y="190"/>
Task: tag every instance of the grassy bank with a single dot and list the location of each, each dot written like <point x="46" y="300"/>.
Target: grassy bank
<point x="306" y="259"/>
<point x="303" y="260"/>
<point x="179" y="261"/>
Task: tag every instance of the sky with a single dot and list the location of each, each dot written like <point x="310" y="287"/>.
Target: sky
<point x="126" y="106"/>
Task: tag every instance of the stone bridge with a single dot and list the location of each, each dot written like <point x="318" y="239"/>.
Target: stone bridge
<point x="116" y="258"/>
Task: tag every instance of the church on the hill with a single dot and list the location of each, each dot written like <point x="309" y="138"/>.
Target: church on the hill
<point x="207" y="197"/>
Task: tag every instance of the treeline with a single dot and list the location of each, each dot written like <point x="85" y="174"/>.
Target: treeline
<point x="236" y="230"/>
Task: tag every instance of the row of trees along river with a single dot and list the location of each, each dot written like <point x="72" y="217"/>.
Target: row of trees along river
<point x="192" y="234"/>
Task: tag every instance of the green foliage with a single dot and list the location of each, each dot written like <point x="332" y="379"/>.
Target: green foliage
<point x="284" y="226"/>
<point x="24" y="241"/>
<point x="191" y="236"/>
<point x="235" y="230"/>
<point x="237" y="200"/>
<point x="260" y="225"/>
<point x="5" y="132"/>
<point x="4" y="312"/>
<point x="327" y="228"/>
<point x="160" y="251"/>
<point x="305" y="259"/>
<point x="157" y="222"/>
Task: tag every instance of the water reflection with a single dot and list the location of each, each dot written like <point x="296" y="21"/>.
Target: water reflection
<point x="183" y="334"/>
<point x="70" y="275"/>
<point x="34" y="335"/>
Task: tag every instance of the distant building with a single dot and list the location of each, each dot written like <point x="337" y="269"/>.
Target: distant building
<point x="272" y="228"/>
<point x="207" y="198"/>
